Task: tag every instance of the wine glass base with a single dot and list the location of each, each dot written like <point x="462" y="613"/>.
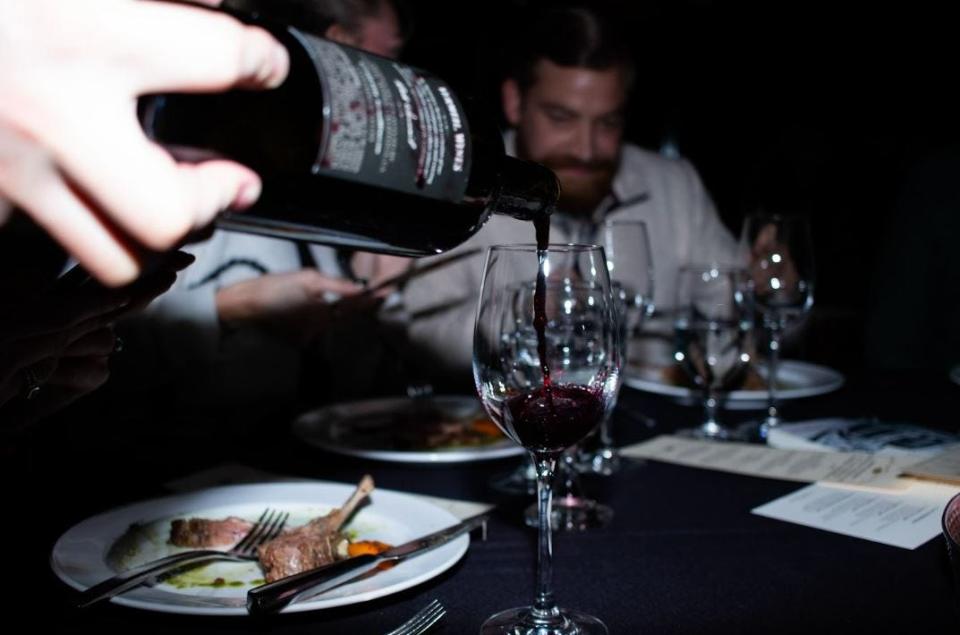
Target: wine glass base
<point x="714" y="434"/>
<point x="572" y="513"/>
<point x="520" y="621"/>
<point x="754" y="431"/>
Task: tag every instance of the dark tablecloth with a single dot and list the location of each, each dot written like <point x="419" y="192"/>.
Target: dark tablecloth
<point x="682" y="555"/>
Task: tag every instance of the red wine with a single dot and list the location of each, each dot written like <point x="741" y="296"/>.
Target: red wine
<point x="552" y="419"/>
<point x="356" y="150"/>
<point x="542" y="226"/>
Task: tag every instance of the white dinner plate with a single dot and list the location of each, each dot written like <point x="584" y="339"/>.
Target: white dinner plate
<point x="99" y="547"/>
<point x="798" y="380"/>
<point x="387" y="430"/>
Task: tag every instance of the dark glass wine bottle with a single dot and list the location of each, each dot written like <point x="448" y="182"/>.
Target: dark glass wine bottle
<point x="356" y="150"/>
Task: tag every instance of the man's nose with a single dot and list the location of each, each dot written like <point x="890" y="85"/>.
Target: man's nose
<point x="584" y="143"/>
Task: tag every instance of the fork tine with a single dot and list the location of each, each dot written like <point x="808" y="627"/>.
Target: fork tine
<point x="274" y="530"/>
<point x="426" y="620"/>
<point x="269" y="531"/>
<point x="433" y="619"/>
<point x="422" y="620"/>
<point x="250" y="535"/>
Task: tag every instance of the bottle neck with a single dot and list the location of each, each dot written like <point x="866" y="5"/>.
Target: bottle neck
<point x="527" y="190"/>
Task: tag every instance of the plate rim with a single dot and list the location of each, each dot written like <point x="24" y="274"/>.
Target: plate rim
<point x="834" y="380"/>
<point x="457" y="548"/>
<point x="304" y="422"/>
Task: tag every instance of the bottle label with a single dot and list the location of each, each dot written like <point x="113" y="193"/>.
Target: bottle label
<point x="388" y="125"/>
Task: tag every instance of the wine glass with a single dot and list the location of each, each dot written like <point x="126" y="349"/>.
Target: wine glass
<point x="548" y="401"/>
<point x="629" y="261"/>
<point x="779" y="255"/>
<point x="571" y="509"/>
<point x="712" y="324"/>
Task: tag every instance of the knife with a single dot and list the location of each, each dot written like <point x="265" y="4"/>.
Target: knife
<point x="414" y="272"/>
<point x="272" y="597"/>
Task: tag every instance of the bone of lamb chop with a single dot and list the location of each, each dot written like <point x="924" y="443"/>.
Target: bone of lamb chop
<point x="312" y="545"/>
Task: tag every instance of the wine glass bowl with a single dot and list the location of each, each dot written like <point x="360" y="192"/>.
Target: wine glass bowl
<point x="630" y="265"/>
<point x="546" y="364"/>
<point x="778" y="254"/>
<point x="712" y="325"/>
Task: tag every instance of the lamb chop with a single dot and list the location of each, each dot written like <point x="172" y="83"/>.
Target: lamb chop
<point x="315" y="544"/>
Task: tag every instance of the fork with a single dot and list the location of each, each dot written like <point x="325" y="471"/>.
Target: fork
<point x="422" y="620"/>
<point x="267" y="527"/>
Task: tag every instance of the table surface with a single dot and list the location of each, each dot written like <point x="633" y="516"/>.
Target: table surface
<point x="683" y="553"/>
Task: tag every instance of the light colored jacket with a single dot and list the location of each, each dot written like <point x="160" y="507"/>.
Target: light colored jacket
<point x="667" y="194"/>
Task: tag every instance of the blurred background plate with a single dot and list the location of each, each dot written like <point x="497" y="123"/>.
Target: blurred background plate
<point x="797" y="380"/>
<point x="436" y="429"/>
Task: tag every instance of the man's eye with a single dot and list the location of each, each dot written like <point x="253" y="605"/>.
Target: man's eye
<point x="559" y="116"/>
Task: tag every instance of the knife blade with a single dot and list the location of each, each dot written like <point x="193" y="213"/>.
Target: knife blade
<point x="273" y="596"/>
<point x="416" y="271"/>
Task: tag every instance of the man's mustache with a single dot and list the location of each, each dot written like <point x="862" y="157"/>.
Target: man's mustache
<point x="559" y="163"/>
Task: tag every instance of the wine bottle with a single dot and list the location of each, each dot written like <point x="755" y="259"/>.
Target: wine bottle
<point x="356" y="150"/>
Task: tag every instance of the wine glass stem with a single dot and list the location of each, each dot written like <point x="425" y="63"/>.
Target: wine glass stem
<point x="710" y="424"/>
<point x="544" y="608"/>
<point x="773" y="416"/>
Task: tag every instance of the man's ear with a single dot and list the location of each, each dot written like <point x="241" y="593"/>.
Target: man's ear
<point x="511" y="100"/>
<point x="337" y="33"/>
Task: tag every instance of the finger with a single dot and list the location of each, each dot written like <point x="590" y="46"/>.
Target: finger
<point x="178" y="261"/>
<point x="318" y="284"/>
<point x="67" y="385"/>
<point x="47" y="197"/>
<point x="35" y="352"/>
<point x="147" y="290"/>
<point x="212" y="51"/>
<point x="79" y="374"/>
<point x="139" y="186"/>
<point x="99" y="343"/>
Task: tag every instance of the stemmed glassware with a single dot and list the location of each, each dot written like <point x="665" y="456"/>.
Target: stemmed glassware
<point x="630" y="263"/>
<point x="778" y="252"/>
<point x="571" y="509"/>
<point x="712" y="325"/>
<point x="549" y="396"/>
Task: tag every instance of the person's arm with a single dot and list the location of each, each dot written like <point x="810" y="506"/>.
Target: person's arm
<point x="72" y="153"/>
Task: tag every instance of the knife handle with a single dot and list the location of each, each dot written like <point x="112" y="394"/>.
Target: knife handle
<point x="272" y="597"/>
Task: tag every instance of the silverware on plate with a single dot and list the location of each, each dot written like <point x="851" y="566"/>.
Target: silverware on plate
<point x="274" y="596"/>
<point x="267" y="527"/>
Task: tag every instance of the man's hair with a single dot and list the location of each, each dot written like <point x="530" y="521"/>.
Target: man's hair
<point x="318" y="15"/>
<point x="350" y="13"/>
<point x="572" y="36"/>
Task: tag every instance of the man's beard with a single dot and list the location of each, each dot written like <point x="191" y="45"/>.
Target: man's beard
<point x="581" y="194"/>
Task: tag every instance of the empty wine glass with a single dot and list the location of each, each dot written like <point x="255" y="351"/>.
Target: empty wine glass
<point x="549" y="396"/>
<point x="712" y="325"/>
<point x="630" y="263"/>
<point x="779" y="255"/>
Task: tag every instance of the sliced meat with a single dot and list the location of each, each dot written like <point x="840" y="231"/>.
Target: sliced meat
<point x="314" y="544"/>
<point x="308" y="547"/>
<point x="202" y="533"/>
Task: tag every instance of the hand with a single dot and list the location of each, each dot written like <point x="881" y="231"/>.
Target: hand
<point x="60" y="338"/>
<point x="72" y="153"/>
<point x="771" y="266"/>
<point x="295" y="305"/>
<point x="375" y="268"/>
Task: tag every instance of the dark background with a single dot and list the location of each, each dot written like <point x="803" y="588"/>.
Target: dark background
<point x="804" y="107"/>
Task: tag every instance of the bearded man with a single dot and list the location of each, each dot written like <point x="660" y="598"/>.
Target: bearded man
<point x="565" y="99"/>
